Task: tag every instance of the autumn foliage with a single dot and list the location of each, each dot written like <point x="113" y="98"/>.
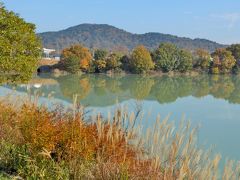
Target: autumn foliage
<point x="141" y="60"/>
<point x="223" y="61"/>
<point x="202" y="59"/>
<point x="79" y="52"/>
<point x="64" y="137"/>
<point x="167" y="58"/>
<point x="36" y="143"/>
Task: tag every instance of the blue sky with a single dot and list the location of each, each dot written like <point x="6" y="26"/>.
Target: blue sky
<point x="217" y="20"/>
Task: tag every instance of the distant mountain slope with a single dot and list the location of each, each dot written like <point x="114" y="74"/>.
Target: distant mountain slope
<point x="109" y="37"/>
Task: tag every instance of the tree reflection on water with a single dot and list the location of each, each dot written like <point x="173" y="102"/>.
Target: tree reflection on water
<point x="103" y="90"/>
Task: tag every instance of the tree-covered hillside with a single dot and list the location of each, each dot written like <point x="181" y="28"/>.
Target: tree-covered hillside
<point x="112" y="38"/>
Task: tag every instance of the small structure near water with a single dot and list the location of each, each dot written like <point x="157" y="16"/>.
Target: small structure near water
<point x="46" y="65"/>
<point x="50" y="54"/>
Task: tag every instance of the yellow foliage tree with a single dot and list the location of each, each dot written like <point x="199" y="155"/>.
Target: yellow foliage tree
<point x="223" y="61"/>
<point x="141" y="60"/>
<point x="202" y="59"/>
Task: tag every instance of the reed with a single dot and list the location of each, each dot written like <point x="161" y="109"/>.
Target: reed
<point x="38" y="143"/>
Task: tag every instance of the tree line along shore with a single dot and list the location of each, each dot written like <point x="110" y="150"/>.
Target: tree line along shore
<point x="21" y="50"/>
<point x="166" y="58"/>
<point x="38" y="143"/>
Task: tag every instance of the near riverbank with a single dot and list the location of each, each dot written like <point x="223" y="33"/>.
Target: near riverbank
<point x="67" y="144"/>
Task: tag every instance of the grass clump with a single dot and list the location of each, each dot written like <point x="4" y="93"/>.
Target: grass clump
<point x="36" y="143"/>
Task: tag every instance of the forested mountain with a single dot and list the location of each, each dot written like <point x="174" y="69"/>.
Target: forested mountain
<point x="111" y="38"/>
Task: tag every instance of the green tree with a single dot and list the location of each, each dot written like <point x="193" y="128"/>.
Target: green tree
<point x="223" y="61"/>
<point x="202" y="59"/>
<point x="125" y="63"/>
<point x="72" y="64"/>
<point x="20" y="48"/>
<point x="235" y="49"/>
<point x="77" y="51"/>
<point x="166" y="57"/>
<point x="100" y="54"/>
<point x="185" y="61"/>
<point x="141" y="60"/>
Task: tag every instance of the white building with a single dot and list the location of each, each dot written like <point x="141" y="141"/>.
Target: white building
<point x="47" y="53"/>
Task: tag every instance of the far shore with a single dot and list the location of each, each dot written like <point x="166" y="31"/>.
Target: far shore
<point x="53" y="66"/>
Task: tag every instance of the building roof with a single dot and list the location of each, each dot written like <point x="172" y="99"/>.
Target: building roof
<point x="45" y="50"/>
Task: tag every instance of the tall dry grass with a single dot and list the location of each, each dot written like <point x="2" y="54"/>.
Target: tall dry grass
<point x="37" y="143"/>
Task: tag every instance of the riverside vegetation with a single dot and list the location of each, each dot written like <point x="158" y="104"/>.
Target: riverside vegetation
<point x="165" y="59"/>
<point x="37" y="143"/>
<point x="20" y="49"/>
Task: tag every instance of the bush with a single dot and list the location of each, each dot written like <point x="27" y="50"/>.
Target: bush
<point x="40" y="144"/>
<point x="141" y="60"/>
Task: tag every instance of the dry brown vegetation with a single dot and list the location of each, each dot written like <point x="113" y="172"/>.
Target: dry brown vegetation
<point x="46" y="62"/>
<point x="64" y="144"/>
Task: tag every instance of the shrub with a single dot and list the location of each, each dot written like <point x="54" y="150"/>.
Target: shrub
<point x="141" y="60"/>
<point x="40" y="144"/>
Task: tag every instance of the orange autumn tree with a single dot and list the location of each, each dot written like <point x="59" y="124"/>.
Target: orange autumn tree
<point x="77" y="53"/>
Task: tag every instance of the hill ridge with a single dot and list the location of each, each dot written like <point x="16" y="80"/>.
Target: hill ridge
<point x="112" y="38"/>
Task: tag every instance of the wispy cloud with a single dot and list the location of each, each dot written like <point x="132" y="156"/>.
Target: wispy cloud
<point x="230" y="18"/>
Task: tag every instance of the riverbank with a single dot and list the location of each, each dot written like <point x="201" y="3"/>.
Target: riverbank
<point x="57" y="68"/>
<point x="67" y="144"/>
<point x="166" y="59"/>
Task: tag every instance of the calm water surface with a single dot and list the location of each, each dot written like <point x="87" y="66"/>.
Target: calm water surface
<point x="213" y="102"/>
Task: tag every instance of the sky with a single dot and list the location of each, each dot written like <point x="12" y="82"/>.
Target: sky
<point x="217" y="20"/>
